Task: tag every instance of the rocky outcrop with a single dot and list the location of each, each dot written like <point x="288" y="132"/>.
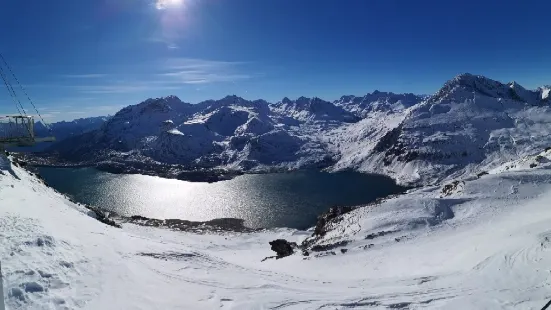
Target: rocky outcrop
<point x="332" y="215"/>
<point x="216" y="225"/>
<point x="283" y="248"/>
<point x="452" y="188"/>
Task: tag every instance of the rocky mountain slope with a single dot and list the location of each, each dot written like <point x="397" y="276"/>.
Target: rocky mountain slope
<point x="228" y="133"/>
<point x="471" y="124"/>
<point x="377" y="102"/>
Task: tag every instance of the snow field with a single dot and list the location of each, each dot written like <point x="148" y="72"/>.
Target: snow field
<point x="481" y="245"/>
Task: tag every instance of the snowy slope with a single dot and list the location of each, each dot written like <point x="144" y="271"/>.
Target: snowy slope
<point x="56" y="256"/>
<point x="482" y="244"/>
<point x="356" y="143"/>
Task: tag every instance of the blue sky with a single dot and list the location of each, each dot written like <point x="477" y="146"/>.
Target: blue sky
<point x="92" y="57"/>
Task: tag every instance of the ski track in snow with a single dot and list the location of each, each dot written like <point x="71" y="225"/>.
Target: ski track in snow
<point x="480" y="246"/>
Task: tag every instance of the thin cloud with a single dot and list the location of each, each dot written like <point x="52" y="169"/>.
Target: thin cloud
<point x="109" y="108"/>
<point x="50" y="116"/>
<point x="84" y="76"/>
<point x="122" y="89"/>
<point x="166" y="75"/>
<point x="158" y="39"/>
<point x="112" y="87"/>
<point x="201" y="71"/>
<point x="190" y="63"/>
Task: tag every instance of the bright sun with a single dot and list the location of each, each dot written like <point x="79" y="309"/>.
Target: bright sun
<point x="165" y="4"/>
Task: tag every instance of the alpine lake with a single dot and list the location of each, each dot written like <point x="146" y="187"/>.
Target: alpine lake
<point x="293" y="199"/>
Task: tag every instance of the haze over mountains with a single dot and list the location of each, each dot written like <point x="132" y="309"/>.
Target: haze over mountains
<point x="471" y="124"/>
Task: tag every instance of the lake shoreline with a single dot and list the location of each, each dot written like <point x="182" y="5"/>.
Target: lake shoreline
<point x="151" y="169"/>
<point x="166" y="171"/>
<point x="282" y="199"/>
<point x="216" y="225"/>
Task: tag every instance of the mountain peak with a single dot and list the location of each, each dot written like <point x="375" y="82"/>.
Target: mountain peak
<point x="516" y="86"/>
<point x="286" y="100"/>
<point x="346" y="98"/>
<point x="377" y="101"/>
<point x="260" y="102"/>
<point x="466" y="75"/>
<point x="172" y="98"/>
<point x="233" y="98"/>
<point x="467" y="79"/>
<point x="467" y="85"/>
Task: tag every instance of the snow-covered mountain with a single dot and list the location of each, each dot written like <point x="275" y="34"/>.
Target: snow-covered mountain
<point x="470" y="125"/>
<point x="312" y="109"/>
<point x="231" y="132"/>
<point x="378" y="102"/>
<point x="64" y="129"/>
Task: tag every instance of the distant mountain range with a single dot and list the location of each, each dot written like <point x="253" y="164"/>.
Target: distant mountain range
<point x="471" y="124"/>
<point x="62" y="130"/>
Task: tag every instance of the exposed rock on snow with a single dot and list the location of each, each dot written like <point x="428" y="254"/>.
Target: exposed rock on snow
<point x="283" y="248"/>
<point x="103" y="217"/>
<point x="216" y="225"/>
<point x="328" y="247"/>
<point x="328" y="216"/>
<point x="452" y="188"/>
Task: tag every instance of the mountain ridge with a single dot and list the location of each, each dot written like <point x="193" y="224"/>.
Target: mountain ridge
<point x="460" y="129"/>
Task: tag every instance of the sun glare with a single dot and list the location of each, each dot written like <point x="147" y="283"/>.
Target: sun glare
<point x="166" y="4"/>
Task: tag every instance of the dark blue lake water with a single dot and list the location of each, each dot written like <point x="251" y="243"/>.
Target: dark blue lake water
<point x="263" y="200"/>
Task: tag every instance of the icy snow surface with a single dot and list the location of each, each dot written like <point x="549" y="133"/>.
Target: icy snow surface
<point x="483" y="244"/>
